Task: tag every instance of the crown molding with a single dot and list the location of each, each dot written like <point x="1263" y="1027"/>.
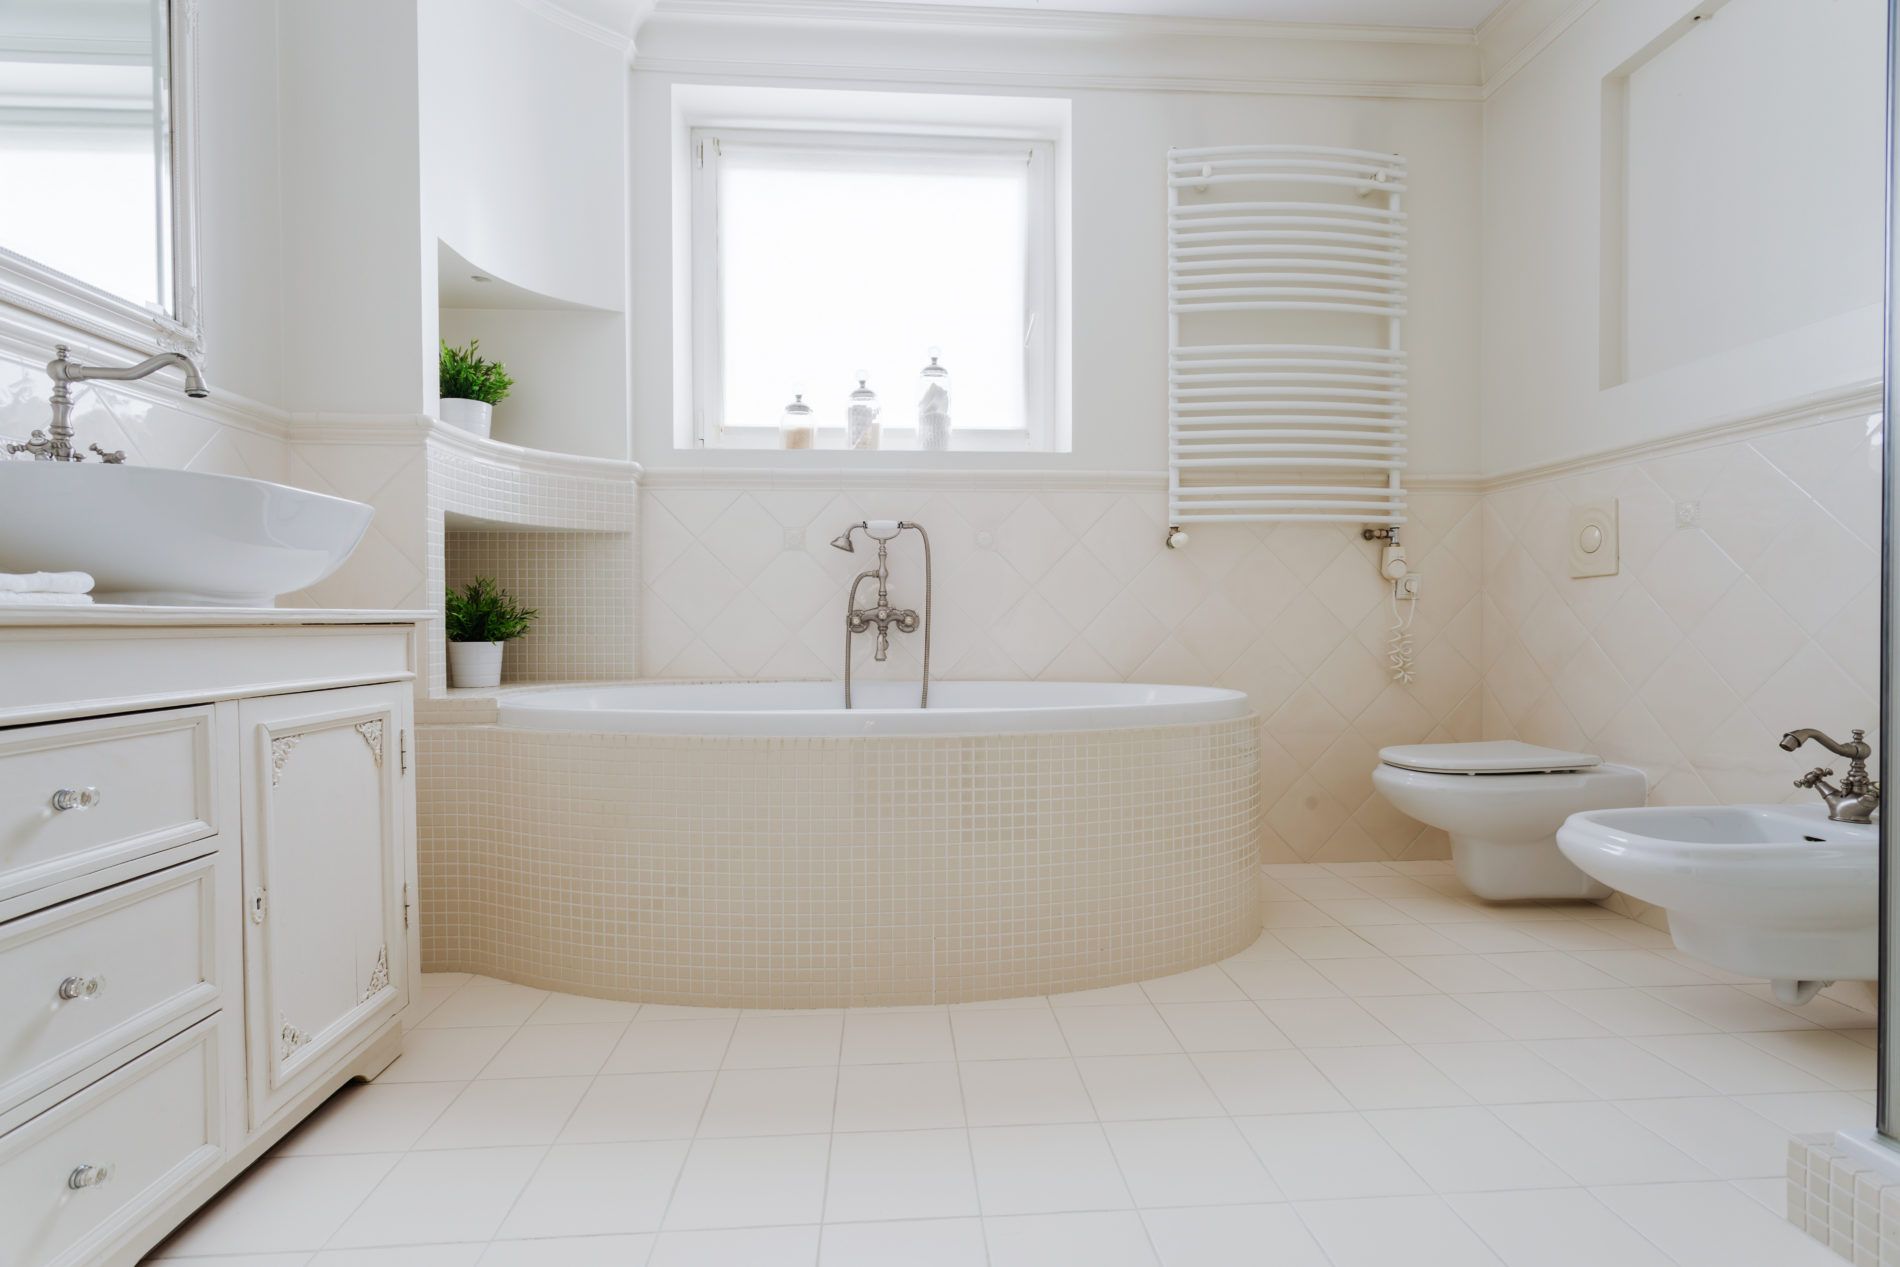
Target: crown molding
<point x="1511" y="38"/>
<point x="878" y="13"/>
<point x="613" y="23"/>
<point x="897" y="77"/>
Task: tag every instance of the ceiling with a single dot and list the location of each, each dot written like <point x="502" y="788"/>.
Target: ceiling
<point x="1454" y="14"/>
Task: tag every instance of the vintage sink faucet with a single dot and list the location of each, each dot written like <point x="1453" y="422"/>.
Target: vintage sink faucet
<point x="1858" y="796"/>
<point x="55" y="444"/>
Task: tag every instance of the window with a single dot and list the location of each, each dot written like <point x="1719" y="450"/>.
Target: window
<point x="820" y="258"/>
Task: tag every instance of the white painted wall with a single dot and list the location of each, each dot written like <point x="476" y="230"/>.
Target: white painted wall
<point x="569" y="370"/>
<point x="1119" y="287"/>
<point x="1753" y="214"/>
<point x="523" y="147"/>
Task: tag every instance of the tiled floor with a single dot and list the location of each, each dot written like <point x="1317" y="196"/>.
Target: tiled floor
<point x="1393" y="1075"/>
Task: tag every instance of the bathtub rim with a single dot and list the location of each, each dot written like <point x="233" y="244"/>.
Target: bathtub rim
<point x="513" y="709"/>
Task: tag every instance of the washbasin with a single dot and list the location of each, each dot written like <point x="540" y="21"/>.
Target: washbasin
<point x="1775" y="891"/>
<point x="172" y="538"/>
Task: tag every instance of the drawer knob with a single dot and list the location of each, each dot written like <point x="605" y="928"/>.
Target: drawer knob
<point x="88" y="1176"/>
<point x="81" y="987"/>
<point x="75" y="798"/>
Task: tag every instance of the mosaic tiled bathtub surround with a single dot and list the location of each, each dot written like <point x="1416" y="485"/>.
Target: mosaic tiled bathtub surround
<point x="1842" y="1202"/>
<point x="829" y="872"/>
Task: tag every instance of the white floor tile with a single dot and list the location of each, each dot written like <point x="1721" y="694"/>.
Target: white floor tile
<point x="671" y="1046"/>
<point x="1202" y="985"/>
<point x="1128" y="994"/>
<point x="1730" y="1139"/>
<point x="575" y="1009"/>
<point x="1616" y="1069"/>
<point x="1529" y="1015"/>
<point x="1713" y="1225"/>
<point x="1017" y="1034"/>
<point x="1835" y="1059"/>
<point x="910" y="1243"/>
<point x="1395" y="1231"/>
<point x="486" y="1002"/>
<point x="451" y="1195"/>
<point x="1465" y="1150"/>
<point x="370" y="1118"/>
<point x="1554" y="1228"/>
<point x="747" y="1247"/>
<point x="1596" y="1145"/>
<point x="1730" y="1065"/>
<point x="1811" y="1112"/>
<point x="1460" y="973"/>
<point x="1197" y="1161"/>
<point x="751" y="1183"/>
<point x="1115" y="1031"/>
<point x="1631" y="1012"/>
<point x="1431" y="1019"/>
<point x="1236" y="1026"/>
<point x="445" y="1055"/>
<point x="779" y="1042"/>
<point x="1386" y="1077"/>
<point x="1326" y="943"/>
<point x="1411" y="939"/>
<point x="771" y="1102"/>
<point x="1249" y="1083"/>
<point x="898" y="1098"/>
<point x="554" y="1051"/>
<point x="1552" y="970"/>
<point x="1323" y="1156"/>
<point x="1280" y="979"/>
<point x="1373" y="978"/>
<point x="1069" y="1240"/>
<point x="1502" y="1073"/>
<point x="1046" y="1169"/>
<point x="1326" y="1022"/>
<point x="880" y="1038"/>
<point x="1127" y="1088"/>
<point x="467" y="1255"/>
<point x="1728" y="1008"/>
<point x="298" y="1258"/>
<point x="280" y="1204"/>
<point x="1642" y="967"/>
<point x="570" y="1251"/>
<point x="506" y="1112"/>
<point x="623" y="1108"/>
<point x="597" y="1189"/>
<point x="1225" y="1236"/>
<point x="900" y="1175"/>
<point x="1024" y="1092"/>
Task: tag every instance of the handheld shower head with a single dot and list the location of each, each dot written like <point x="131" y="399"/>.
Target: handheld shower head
<point x="843" y="540"/>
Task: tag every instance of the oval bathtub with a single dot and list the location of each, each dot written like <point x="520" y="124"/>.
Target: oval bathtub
<point x="754" y="844"/>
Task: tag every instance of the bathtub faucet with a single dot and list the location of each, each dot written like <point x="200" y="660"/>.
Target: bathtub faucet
<point x="859" y="620"/>
<point x="1858" y="796"/>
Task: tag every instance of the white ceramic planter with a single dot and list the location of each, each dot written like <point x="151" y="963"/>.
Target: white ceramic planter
<point x="470" y="415"/>
<point x="475" y="664"/>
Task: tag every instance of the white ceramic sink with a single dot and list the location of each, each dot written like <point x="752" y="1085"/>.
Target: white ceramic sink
<point x="172" y="538"/>
<point x="1776" y="891"/>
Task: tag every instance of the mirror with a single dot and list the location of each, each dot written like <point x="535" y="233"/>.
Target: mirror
<point x="94" y="147"/>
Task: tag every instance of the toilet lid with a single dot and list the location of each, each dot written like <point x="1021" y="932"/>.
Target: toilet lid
<point x="1500" y="756"/>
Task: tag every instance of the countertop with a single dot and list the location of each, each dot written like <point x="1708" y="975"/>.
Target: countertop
<point x="112" y="614"/>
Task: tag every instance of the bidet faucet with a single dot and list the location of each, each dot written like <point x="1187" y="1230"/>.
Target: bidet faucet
<point x="1858" y="796"/>
<point x="55" y="444"/>
<point x="859" y="620"/>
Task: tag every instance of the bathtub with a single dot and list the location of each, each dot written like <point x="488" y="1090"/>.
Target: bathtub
<point x="757" y="845"/>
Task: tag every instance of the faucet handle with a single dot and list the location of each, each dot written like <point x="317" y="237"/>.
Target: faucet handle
<point x="115" y="458"/>
<point x="1814" y="776"/>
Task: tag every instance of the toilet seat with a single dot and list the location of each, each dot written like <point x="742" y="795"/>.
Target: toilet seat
<point x="1500" y="756"/>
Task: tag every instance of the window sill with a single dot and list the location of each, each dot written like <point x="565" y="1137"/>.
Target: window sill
<point x="900" y="441"/>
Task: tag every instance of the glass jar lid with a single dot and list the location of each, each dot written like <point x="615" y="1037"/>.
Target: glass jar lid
<point x="798" y="405"/>
<point x="934" y="370"/>
<point x="863" y="392"/>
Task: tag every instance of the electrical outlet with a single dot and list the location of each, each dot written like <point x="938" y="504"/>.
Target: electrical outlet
<point x="1409" y="585"/>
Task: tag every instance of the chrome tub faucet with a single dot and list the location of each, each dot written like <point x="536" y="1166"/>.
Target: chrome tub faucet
<point x="55" y="444"/>
<point x="859" y="620"/>
<point x="1858" y="796"/>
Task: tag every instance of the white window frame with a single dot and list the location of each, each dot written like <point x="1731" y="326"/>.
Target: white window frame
<point x="1042" y="332"/>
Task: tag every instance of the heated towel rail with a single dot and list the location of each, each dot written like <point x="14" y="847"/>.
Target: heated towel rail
<point x="1286" y="355"/>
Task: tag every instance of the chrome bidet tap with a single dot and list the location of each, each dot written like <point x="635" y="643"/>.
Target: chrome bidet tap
<point x="1858" y="795"/>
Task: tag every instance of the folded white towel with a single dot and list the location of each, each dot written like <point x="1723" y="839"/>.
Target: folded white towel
<point x="45" y="583"/>
<point x="9" y="598"/>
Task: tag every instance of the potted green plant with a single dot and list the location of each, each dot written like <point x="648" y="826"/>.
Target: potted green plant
<point x="482" y="618"/>
<point x="471" y="387"/>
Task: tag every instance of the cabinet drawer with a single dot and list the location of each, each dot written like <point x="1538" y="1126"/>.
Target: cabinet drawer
<point x="80" y="980"/>
<point x="128" y="786"/>
<point x="75" y="1178"/>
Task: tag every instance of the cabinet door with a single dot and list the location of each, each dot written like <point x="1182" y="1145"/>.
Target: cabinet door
<point x="325" y="828"/>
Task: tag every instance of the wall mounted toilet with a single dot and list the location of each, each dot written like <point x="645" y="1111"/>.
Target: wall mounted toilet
<point x="1501" y="802"/>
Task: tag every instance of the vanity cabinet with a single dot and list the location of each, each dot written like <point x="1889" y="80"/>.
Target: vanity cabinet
<point x="321" y="786"/>
<point x="205" y="869"/>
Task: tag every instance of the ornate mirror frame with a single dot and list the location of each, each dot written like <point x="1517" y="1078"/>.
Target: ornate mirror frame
<point x="47" y="292"/>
